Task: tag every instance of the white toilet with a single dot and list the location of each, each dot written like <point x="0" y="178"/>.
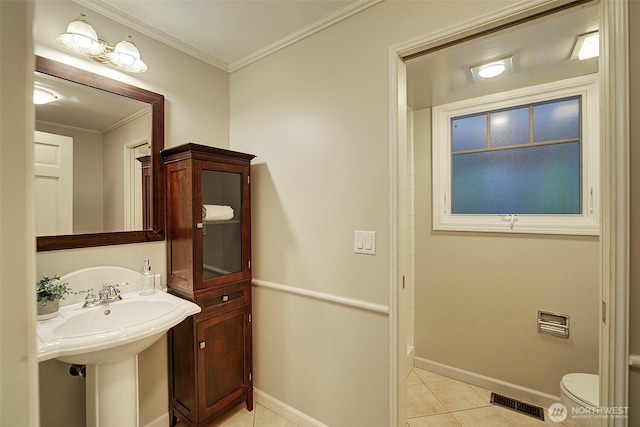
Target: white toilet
<point x="580" y="393"/>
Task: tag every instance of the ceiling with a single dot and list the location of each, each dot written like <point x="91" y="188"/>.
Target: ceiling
<point x="82" y="107"/>
<point x="541" y="51"/>
<point x="227" y="34"/>
<point x="230" y="34"/>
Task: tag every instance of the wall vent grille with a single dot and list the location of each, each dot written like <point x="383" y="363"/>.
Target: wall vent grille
<point x="518" y="406"/>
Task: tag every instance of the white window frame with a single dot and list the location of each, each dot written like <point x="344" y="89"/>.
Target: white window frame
<point x="586" y="223"/>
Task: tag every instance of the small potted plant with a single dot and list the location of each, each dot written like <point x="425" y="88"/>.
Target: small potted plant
<point x="49" y="293"/>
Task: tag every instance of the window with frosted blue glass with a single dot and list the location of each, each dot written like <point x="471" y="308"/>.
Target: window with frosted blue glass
<point x="469" y="133"/>
<point x="541" y="179"/>
<point x="509" y="127"/>
<point x="555" y="121"/>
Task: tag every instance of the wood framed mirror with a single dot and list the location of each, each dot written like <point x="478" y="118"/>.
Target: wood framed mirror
<point x="152" y="184"/>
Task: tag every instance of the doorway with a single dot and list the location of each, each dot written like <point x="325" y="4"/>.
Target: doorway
<point x="605" y="289"/>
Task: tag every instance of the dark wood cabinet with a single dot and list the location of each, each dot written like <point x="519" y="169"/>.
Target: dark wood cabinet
<point x="209" y="263"/>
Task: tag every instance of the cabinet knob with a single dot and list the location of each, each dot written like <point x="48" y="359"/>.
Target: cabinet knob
<point x="225" y="298"/>
<point x="203" y="344"/>
<point x="199" y="225"/>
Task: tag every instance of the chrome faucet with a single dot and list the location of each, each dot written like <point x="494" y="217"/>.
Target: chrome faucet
<point x="108" y="293"/>
<point x="90" y="300"/>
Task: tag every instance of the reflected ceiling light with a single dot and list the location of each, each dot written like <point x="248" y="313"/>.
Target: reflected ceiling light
<point x="492" y="69"/>
<point x="81" y="38"/>
<point x="42" y="96"/>
<point x="587" y="46"/>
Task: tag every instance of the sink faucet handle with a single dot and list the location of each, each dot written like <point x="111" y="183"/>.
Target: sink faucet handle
<point x="90" y="298"/>
<point x="115" y="292"/>
<point x="109" y="293"/>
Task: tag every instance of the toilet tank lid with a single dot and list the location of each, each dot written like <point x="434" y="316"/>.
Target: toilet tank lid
<point x="585" y="387"/>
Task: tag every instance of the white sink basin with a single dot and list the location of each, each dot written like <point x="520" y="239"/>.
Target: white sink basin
<point x="112" y="317"/>
<point x="110" y="332"/>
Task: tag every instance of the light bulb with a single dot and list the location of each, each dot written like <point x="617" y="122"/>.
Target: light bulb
<point x="590" y="48"/>
<point x="126" y="55"/>
<point x="126" y="60"/>
<point x="491" y="70"/>
<point x="81" y="38"/>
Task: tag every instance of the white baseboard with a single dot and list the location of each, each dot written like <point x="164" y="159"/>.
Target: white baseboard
<point x="411" y="355"/>
<point x="161" y="421"/>
<point x="271" y="403"/>
<point x="303" y="420"/>
<point x="285" y="411"/>
<point x="508" y="389"/>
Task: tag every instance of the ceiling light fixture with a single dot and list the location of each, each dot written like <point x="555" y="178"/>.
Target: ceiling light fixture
<point x="492" y="69"/>
<point x="42" y="96"/>
<point x="587" y="46"/>
<point x="81" y="38"/>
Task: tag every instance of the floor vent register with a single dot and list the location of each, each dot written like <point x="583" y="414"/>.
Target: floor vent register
<point x="518" y="406"/>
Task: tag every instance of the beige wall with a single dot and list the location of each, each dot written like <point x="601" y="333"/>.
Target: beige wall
<point x="477" y="295"/>
<point x="136" y="130"/>
<point x="316" y="116"/>
<point x="634" y="112"/>
<point x="18" y="367"/>
<point x="196" y="110"/>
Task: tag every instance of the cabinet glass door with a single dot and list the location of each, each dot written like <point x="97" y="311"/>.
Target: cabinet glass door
<point x="221" y="223"/>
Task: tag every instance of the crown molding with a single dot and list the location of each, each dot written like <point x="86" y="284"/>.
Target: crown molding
<point x="315" y="27"/>
<point x="149" y="31"/>
<point x="319" y="25"/>
<point x="67" y="127"/>
<point x="123" y="121"/>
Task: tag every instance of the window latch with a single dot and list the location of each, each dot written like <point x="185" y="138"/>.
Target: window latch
<point x="511" y="218"/>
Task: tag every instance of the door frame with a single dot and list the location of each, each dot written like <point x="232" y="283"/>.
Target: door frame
<point x="614" y="236"/>
<point x="132" y="185"/>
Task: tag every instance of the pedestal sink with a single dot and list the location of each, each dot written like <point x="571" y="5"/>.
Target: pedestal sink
<point x="108" y="338"/>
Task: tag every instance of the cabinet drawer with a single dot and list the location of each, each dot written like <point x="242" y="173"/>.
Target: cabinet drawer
<point x="223" y="299"/>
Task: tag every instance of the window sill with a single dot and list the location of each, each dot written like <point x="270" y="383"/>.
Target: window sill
<point x="577" y="225"/>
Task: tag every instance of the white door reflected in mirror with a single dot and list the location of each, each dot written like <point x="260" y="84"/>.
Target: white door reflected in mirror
<point x="53" y="157"/>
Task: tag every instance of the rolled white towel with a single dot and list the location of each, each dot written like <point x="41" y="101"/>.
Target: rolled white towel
<point x="216" y="212"/>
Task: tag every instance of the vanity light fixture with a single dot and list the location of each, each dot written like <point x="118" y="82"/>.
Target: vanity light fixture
<point x="587" y="46"/>
<point x="126" y="56"/>
<point x="42" y="96"/>
<point x="81" y="38"/>
<point x="492" y="69"/>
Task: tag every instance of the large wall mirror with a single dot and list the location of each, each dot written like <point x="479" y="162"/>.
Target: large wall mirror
<point x="99" y="172"/>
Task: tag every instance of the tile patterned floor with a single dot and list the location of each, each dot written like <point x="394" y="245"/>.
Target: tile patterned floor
<point x="259" y="417"/>
<point x="432" y="401"/>
<point x="437" y="401"/>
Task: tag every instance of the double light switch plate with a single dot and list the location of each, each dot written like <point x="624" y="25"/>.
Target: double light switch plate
<point x="365" y="242"/>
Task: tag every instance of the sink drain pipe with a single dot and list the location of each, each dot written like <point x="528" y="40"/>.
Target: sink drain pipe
<point x="78" y="370"/>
